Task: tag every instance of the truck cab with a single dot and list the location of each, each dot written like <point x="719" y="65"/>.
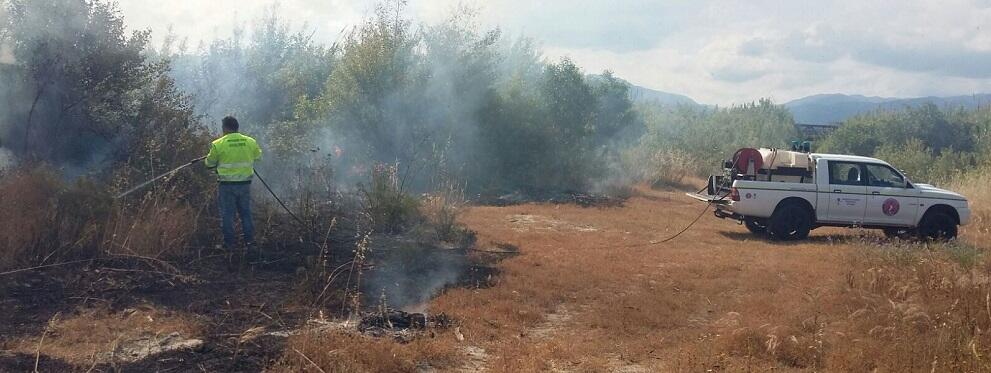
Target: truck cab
<point x="785" y="194"/>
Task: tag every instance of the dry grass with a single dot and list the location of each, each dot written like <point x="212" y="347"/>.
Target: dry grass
<point x="91" y="335"/>
<point x="347" y="352"/>
<point x="46" y="220"/>
<point x="158" y="227"/>
<point x="717" y="298"/>
<point x="976" y="187"/>
<point x="29" y="198"/>
<point x="912" y="306"/>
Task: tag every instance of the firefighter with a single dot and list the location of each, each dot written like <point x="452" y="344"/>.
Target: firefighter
<point x="233" y="156"/>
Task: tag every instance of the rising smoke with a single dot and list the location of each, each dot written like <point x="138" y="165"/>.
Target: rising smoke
<point x="446" y="104"/>
<point x="407" y="277"/>
<point x="6" y="60"/>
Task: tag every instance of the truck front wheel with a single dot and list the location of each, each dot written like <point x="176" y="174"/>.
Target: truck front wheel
<point x="790" y="222"/>
<point x="937" y="225"/>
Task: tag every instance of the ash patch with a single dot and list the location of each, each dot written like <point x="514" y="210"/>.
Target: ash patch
<point x="479" y="277"/>
<point x="149" y="345"/>
<point x="537" y="223"/>
<point x="583" y="199"/>
<point x="406" y="273"/>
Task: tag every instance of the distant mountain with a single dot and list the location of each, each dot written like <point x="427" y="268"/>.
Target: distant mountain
<point x="647" y="95"/>
<point x="835" y="108"/>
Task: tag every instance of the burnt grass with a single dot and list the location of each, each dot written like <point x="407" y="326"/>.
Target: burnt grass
<point x="228" y="293"/>
<point x="581" y="198"/>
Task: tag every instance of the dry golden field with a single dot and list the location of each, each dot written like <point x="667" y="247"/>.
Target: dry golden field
<point x="591" y="290"/>
<point x="590" y="293"/>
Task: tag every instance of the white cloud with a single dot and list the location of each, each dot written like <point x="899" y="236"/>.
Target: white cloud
<point x="718" y="52"/>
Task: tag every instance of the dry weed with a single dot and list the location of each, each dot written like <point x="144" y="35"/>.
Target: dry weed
<point x="28" y="205"/>
<point x="158" y="227"/>
<point x="92" y="335"/>
<point x="976" y="186"/>
<point x="45" y="220"/>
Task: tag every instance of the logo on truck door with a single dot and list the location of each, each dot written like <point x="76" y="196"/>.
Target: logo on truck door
<point x="890" y="207"/>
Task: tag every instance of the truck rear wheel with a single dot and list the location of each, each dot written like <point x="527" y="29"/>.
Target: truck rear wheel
<point x="790" y="222"/>
<point x="937" y="225"/>
<point x="755" y="226"/>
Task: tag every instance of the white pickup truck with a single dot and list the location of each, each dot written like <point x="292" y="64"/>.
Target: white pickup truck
<point x="785" y="194"/>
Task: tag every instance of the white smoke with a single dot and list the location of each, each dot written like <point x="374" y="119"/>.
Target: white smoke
<point x="6" y="52"/>
<point x="6" y="55"/>
<point x="7" y="159"/>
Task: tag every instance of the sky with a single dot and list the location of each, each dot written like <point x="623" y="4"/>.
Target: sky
<point x="717" y="52"/>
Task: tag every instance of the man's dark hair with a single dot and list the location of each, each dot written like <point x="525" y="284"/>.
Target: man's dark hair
<point x="230" y="123"/>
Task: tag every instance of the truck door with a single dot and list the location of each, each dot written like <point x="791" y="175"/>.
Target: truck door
<point x="842" y="192"/>
<point x="891" y="200"/>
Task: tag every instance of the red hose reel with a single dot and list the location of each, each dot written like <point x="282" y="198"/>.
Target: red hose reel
<point x="743" y="157"/>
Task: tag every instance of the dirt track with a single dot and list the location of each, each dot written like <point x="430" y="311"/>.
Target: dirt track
<point x="576" y="299"/>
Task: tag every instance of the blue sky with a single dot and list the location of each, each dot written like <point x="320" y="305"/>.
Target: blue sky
<point x="717" y="52"/>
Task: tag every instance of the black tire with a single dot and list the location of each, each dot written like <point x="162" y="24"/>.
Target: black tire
<point x="937" y="225"/>
<point x="755" y="226"/>
<point x="790" y="222"/>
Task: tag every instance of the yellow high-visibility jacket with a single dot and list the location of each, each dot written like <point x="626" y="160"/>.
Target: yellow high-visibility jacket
<point x="234" y="156"/>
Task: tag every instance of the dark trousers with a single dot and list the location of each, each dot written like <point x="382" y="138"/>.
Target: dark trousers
<point x="236" y="198"/>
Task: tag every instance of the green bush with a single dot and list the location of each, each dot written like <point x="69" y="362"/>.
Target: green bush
<point x="931" y="144"/>
<point x="696" y="139"/>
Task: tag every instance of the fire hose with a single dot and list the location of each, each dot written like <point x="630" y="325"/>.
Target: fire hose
<point x="303" y="224"/>
<point x="192" y="162"/>
<point x="142" y="185"/>
<point x="682" y="231"/>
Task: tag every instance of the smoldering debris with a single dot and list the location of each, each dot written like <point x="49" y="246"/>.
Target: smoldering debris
<point x="400" y="325"/>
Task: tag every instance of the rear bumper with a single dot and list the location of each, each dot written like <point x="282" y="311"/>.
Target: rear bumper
<point x="724" y="213"/>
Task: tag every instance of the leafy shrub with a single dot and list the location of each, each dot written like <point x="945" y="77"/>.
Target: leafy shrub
<point x="695" y="140"/>
<point x="932" y="144"/>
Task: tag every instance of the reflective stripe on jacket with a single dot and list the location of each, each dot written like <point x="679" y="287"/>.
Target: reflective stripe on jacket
<point x="234" y="157"/>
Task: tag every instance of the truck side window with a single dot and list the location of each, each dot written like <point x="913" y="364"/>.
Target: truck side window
<point x="884" y="176"/>
<point x="845" y="173"/>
